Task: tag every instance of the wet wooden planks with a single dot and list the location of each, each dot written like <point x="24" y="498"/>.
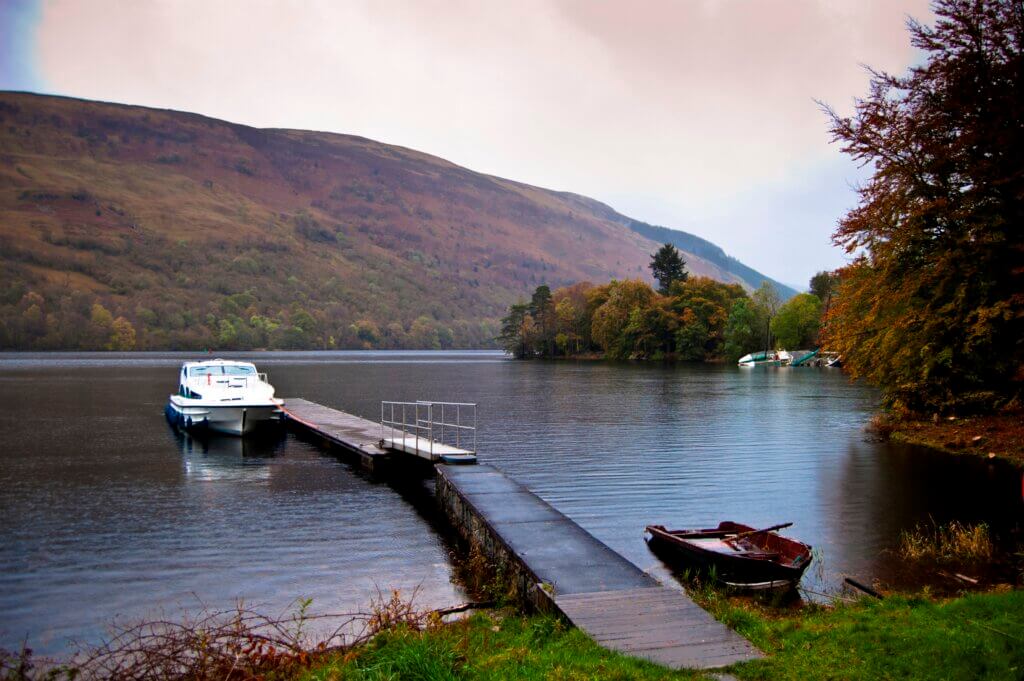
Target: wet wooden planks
<point x="596" y="589"/>
<point x="352" y="433"/>
<point x="658" y="624"/>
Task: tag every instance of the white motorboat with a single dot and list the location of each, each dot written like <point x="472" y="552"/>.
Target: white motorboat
<point x="771" y="358"/>
<point x="223" y="395"/>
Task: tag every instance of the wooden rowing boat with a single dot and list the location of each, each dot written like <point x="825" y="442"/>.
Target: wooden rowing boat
<point x="738" y="554"/>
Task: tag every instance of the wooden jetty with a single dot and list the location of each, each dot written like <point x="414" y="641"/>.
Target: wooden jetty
<point x="350" y="433"/>
<point x="552" y="562"/>
<point x="374" y="445"/>
<point x="556" y="564"/>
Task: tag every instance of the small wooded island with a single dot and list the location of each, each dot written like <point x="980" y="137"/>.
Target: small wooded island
<point x="686" y="318"/>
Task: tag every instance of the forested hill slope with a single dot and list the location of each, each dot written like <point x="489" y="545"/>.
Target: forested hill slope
<point x="123" y="226"/>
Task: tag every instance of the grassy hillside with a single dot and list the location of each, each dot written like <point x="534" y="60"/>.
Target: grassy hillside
<point x="123" y="226"/>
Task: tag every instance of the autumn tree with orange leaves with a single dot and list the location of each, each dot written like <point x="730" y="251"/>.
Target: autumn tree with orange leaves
<point x="932" y="308"/>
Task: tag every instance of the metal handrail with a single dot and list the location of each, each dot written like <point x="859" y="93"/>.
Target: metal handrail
<point x="421" y="423"/>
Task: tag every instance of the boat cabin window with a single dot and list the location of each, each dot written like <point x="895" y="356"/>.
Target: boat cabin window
<point x="222" y="370"/>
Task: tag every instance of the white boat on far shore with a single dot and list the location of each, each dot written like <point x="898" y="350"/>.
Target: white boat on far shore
<point x="224" y="396"/>
<point x="770" y="358"/>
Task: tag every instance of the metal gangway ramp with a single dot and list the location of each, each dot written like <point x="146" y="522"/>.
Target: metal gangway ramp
<point x="442" y="432"/>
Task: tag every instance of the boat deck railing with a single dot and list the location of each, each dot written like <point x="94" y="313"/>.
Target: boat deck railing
<point x="430" y="427"/>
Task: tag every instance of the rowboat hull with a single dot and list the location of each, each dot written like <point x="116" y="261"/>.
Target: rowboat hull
<point x="761" y="559"/>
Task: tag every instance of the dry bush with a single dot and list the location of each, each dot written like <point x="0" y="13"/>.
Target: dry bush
<point x="228" y="645"/>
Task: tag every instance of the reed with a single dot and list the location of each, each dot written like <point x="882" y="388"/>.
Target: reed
<point x="955" y="542"/>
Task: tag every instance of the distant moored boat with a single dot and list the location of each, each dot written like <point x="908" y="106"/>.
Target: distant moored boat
<point x="770" y="358"/>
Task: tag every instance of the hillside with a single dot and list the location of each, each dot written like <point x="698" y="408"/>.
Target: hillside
<point x="122" y="225"/>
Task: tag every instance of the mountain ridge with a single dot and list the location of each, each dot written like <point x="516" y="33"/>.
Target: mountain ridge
<point x="205" y="233"/>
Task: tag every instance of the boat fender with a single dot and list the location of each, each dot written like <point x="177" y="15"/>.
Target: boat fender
<point x="189" y="422"/>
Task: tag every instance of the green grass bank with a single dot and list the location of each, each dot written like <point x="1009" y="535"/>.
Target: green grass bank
<point x="901" y="637"/>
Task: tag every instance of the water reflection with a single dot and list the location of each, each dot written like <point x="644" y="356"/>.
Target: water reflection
<point x="208" y="457"/>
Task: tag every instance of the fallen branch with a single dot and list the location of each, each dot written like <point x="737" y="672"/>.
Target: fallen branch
<point x="866" y="589"/>
<point x="472" y="605"/>
<point x="834" y="597"/>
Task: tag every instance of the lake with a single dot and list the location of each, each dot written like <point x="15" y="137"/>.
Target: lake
<point x="110" y="514"/>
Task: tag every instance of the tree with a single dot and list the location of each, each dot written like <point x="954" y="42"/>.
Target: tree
<point x="367" y="332"/>
<point x="932" y="310"/>
<point x="101" y="325"/>
<point x="744" y="330"/>
<point x="692" y="337"/>
<point x="798" y="322"/>
<point x="767" y="298"/>
<point x="567" y="337"/>
<point x="542" y="309"/>
<point x="703" y="304"/>
<point x="515" y="328"/>
<point x="424" y="333"/>
<point x="573" y="315"/>
<point x="123" y="336"/>
<point x="651" y="329"/>
<point x="612" y="317"/>
<point x="823" y="285"/>
<point x="767" y="302"/>
<point x="668" y="266"/>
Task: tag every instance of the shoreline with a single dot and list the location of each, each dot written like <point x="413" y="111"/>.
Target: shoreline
<point x="991" y="436"/>
<point x="973" y="634"/>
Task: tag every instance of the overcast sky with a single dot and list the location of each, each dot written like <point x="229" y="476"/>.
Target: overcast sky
<point x="694" y="114"/>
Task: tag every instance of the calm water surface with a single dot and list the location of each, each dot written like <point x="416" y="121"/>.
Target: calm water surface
<point x="106" y="512"/>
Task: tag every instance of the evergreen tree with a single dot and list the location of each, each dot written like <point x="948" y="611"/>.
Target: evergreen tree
<point x="668" y="266"/>
<point x="515" y="330"/>
<point x="542" y="310"/>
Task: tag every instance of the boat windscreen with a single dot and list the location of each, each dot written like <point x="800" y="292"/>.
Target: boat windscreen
<point x="222" y="370"/>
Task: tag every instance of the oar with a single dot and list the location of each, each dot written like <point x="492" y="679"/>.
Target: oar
<point x="750" y="532"/>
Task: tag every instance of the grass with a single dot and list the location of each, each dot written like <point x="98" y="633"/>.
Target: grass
<point x="977" y="636"/>
<point x="956" y="542"/>
<point x="901" y="637"/>
<point x="488" y="646"/>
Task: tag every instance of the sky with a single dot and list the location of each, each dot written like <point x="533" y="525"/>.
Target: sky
<point x="698" y="115"/>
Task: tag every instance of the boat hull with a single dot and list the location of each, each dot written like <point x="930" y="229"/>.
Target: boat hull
<point x="233" y="420"/>
<point x="674" y="549"/>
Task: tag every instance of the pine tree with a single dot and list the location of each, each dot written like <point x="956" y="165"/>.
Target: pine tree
<point x="668" y="266"/>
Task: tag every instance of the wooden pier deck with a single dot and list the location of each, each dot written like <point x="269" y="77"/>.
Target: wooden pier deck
<point x="595" y="588"/>
<point x="363" y="437"/>
<point x="354" y="434"/>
